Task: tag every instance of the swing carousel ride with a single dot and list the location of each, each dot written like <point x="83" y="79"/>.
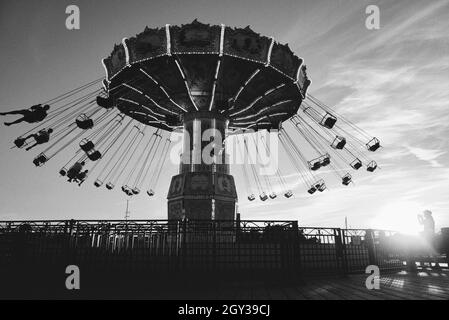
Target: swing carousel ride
<point x="189" y="79"/>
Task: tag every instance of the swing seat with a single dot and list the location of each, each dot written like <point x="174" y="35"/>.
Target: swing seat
<point x="319" y="162"/>
<point x="288" y="194"/>
<point x="373" y="144"/>
<point x="150" y="193"/>
<point x="338" y="143"/>
<point x="251" y="197"/>
<point x="86" y="145"/>
<point x="81" y="177"/>
<point x="84" y="122"/>
<point x="320" y="185"/>
<point x="19" y="142"/>
<point x="63" y="172"/>
<point x="311" y="190"/>
<point x="328" y="121"/>
<point x="127" y="190"/>
<point x="314" y="165"/>
<point x="273" y="195"/>
<point x="325" y="160"/>
<point x="98" y="183"/>
<point x="135" y="191"/>
<point x="40" y="160"/>
<point x="94" y="156"/>
<point x="42" y="138"/>
<point x="371" y="166"/>
<point x="106" y="103"/>
<point x="263" y="196"/>
<point x="109" y="186"/>
<point x="356" y="164"/>
<point x="346" y="180"/>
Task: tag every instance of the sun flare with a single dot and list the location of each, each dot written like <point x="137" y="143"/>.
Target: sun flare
<point x="399" y="216"/>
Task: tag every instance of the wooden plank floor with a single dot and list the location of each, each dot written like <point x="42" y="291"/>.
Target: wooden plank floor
<point x="420" y="285"/>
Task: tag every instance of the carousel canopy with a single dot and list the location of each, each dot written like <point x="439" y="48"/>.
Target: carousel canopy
<point x="161" y="74"/>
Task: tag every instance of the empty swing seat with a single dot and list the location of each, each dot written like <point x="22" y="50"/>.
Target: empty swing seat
<point x="346" y="180"/>
<point x="19" y="142"/>
<point x="127" y="190"/>
<point x="106" y="103"/>
<point x="356" y="164"/>
<point x="328" y="121"/>
<point x="273" y="195"/>
<point x="40" y="160"/>
<point x="288" y="194"/>
<point x="84" y="122"/>
<point x="373" y="144"/>
<point x="98" y="183"/>
<point x="86" y="145"/>
<point x="251" y="197"/>
<point x="150" y="193"/>
<point x="109" y="186"/>
<point x="263" y="196"/>
<point x="325" y="160"/>
<point x="371" y="166"/>
<point x="311" y="190"/>
<point x="320" y="185"/>
<point x="94" y="156"/>
<point x="63" y="171"/>
<point x="319" y="162"/>
<point x="339" y="143"/>
<point x="314" y="165"/>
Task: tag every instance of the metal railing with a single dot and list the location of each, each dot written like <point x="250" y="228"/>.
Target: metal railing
<point x="163" y="245"/>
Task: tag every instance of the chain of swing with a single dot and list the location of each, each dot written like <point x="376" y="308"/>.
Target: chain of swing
<point x="86" y="114"/>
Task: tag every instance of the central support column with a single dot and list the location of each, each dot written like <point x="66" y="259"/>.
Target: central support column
<point x="204" y="188"/>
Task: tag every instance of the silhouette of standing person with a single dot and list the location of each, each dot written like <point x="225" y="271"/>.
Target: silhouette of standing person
<point x="428" y="225"/>
<point x="34" y="114"/>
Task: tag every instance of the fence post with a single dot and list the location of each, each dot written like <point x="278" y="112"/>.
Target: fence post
<point x="237" y="227"/>
<point x="340" y="251"/>
<point x="444" y="246"/>
<point x="369" y="240"/>
<point x="296" y="248"/>
<point x="214" y="246"/>
<point x="184" y="242"/>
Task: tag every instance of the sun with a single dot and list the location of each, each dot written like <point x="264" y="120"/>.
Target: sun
<point x="399" y="216"/>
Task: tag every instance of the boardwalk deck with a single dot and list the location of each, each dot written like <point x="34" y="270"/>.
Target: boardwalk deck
<point x="421" y="285"/>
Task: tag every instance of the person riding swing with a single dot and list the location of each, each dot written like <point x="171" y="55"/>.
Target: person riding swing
<point x="81" y="177"/>
<point x="36" y="113"/>
<point x="75" y="171"/>
<point x="41" y="137"/>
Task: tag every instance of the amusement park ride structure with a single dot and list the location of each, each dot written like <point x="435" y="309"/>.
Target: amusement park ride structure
<point x="190" y="79"/>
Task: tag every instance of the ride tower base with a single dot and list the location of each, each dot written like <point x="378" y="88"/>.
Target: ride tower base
<point x="203" y="190"/>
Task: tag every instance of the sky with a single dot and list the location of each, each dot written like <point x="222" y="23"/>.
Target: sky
<point x="393" y="82"/>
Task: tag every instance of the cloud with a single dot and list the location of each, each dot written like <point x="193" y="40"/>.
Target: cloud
<point x="405" y="26"/>
<point x="428" y="155"/>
